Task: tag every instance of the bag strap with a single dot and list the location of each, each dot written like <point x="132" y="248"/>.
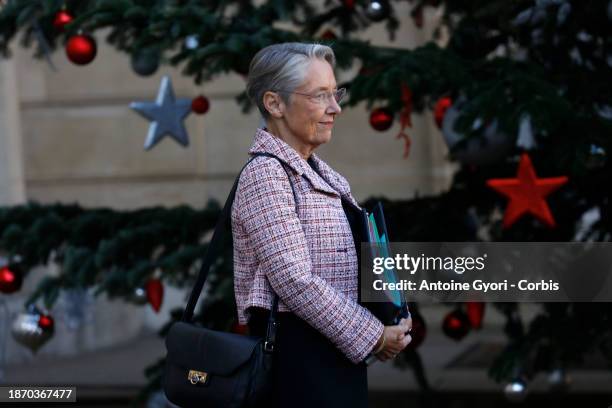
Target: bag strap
<point x="224" y="225"/>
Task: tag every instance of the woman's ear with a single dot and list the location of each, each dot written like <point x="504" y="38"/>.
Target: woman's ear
<point x="274" y="105"/>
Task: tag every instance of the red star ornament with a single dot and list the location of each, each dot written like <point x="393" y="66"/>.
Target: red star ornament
<point x="527" y="193"/>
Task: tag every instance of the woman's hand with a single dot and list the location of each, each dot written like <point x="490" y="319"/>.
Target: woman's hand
<point x="394" y="339"/>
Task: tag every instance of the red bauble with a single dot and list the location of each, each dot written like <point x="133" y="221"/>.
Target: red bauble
<point x="10" y="280"/>
<point x="527" y="193"/>
<point x="440" y="109"/>
<point x="456" y="324"/>
<point x="45" y="322"/>
<point x="475" y="312"/>
<point x="81" y="49"/>
<point x="200" y="105"/>
<point x="349" y="4"/>
<point x="329" y="35"/>
<point x="381" y="119"/>
<point x="155" y="293"/>
<point x="418" y="332"/>
<point x="62" y="18"/>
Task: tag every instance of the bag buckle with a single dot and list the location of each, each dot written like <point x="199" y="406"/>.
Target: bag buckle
<point x="196" y="377"/>
<point x="268" y="346"/>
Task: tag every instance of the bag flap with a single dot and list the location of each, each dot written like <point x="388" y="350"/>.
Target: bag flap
<point x="215" y="352"/>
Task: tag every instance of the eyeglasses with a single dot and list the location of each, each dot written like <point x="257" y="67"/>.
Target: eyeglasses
<point x="322" y="97"/>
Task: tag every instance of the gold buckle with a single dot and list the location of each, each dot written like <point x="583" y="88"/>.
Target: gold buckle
<point x="196" y="377"/>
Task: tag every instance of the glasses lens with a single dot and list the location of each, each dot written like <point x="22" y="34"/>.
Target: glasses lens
<point x="339" y="94"/>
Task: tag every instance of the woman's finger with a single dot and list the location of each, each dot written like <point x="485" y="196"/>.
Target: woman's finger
<point x="396" y="347"/>
<point x="395" y="333"/>
<point x="406" y="340"/>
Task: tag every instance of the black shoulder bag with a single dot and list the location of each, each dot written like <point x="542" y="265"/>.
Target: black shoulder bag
<point x="208" y="368"/>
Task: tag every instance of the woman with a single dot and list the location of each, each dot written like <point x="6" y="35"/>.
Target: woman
<point x="301" y="247"/>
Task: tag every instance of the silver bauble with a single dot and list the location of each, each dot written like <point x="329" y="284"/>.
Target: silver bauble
<point x="145" y="62"/>
<point x="515" y="391"/>
<point x="192" y="42"/>
<point x="27" y="331"/>
<point x="139" y="296"/>
<point x="377" y="10"/>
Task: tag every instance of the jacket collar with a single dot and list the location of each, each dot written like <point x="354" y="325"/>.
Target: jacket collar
<point x="330" y="182"/>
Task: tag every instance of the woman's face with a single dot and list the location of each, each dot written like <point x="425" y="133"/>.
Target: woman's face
<point x="309" y="121"/>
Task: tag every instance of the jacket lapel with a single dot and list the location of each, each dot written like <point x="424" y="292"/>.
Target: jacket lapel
<point x="335" y="180"/>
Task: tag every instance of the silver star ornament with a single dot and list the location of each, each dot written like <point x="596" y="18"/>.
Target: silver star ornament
<point x="166" y="115"/>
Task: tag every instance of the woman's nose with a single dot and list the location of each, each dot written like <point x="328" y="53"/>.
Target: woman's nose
<point x="334" y="107"/>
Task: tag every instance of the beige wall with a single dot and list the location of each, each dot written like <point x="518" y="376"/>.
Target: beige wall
<point x="12" y="182"/>
<point x="82" y="143"/>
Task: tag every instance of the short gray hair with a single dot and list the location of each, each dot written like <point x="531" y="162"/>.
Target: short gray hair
<point x="282" y="66"/>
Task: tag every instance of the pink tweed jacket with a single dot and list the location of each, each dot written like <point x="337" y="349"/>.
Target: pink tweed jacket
<point x="308" y="258"/>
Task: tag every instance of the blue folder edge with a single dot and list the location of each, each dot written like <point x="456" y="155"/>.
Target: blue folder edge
<point x="375" y="231"/>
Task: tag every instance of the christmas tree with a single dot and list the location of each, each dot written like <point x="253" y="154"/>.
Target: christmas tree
<point x="512" y="84"/>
